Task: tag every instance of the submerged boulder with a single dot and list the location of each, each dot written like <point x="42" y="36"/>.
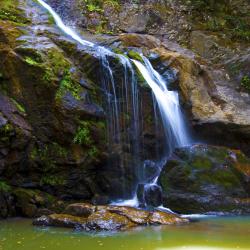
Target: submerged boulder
<point x="201" y="178"/>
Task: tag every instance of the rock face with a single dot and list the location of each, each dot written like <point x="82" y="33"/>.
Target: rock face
<point x="204" y="178"/>
<point x="108" y="218"/>
<point x="218" y="110"/>
<point x="52" y="121"/>
<point x="53" y="124"/>
<point x="50" y="130"/>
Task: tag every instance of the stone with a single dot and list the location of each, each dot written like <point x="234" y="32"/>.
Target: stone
<point x="137" y="40"/>
<point x="201" y="179"/>
<point x="110" y="218"/>
<point x="135" y="215"/>
<point x="162" y="218"/>
<point x="80" y="209"/>
<point x="60" y="220"/>
<point x="153" y="195"/>
<point x="107" y="221"/>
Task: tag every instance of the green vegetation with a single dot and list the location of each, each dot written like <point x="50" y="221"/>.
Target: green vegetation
<point x="52" y="180"/>
<point x="6" y="132"/>
<point x="4" y="187"/>
<point x="48" y="155"/>
<point x="245" y="82"/>
<point x="10" y="12"/>
<point x="19" y="106"/>
<point x="67" y="84"/>
<point x="233" y="20"/>
<point x="97" y="5"/>
<point x="83" y="137"/>
<point x="31" y="61"/>
<point x="53" y="150"/>
<point x="135" y="55"/>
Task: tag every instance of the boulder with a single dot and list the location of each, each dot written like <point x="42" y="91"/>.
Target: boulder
<point x="137" y="216"/>
<point x="202" y="179"/>
<point x="163" y="218"/>
<point x="109" y="218"/>
<point x="80" y="209"/>
<point x="60" y="220"/>
<point x="106" y="221"/>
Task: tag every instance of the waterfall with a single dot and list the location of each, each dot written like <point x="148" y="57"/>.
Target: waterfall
<point x="168" y="104"/>
<point x="165" y="103"/>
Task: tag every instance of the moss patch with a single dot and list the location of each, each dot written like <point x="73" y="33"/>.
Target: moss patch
<point x="245" y="82"/>
<point x="9" y="11"/>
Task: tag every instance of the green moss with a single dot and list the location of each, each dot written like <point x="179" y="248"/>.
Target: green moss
<point x="84" y="137"/>
<point x="83" y="134"/>
<point x="9" y="11"/>
<point x="30" y="61"/>
<point x="93" y="152"/>
<point x="4" y="187"/>
<point x="222" y="177"/>
<point x="245" y="82"/>
<point x="135" y="55"/>
<point x="6" y="132"/>
<point x="220" y="16"/>
<point x="67" y="84"/>
<point x="19" y="106"/>
<point x="52" y="180"/>
<point x="97" y="5"/>
<point x="48" y="155"/>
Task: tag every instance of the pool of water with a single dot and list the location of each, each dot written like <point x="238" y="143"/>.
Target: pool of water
<point x="210" y="233"/>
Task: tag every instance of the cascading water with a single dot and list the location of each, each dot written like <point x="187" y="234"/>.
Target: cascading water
<point x="127" y="101"/>
<point x="174" y="127"/>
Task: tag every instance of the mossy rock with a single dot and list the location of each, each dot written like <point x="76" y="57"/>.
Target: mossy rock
<point x="135" y="55"/>
<point x="210" y="177"/>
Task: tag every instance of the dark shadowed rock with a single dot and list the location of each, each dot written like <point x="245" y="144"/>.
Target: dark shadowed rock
<point x="153" y="195"/>
<point x="80" y="209"/>
<point x="204" y="178"/>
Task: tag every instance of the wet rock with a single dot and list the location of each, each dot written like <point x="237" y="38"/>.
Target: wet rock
<point x="162" y="218"/>
<point x="153" y="195"/>
<point x="136" y="40"/>
<point x="151" y="170"/>
<point x="80" y="209"/>
<point x="149" y="195"/>
<point x="110" y="218"/>
<point x="60" y="220"/>
<point x="137" y="216"/>
<point x="7" y="204"/>
<point x="100" y="200"/>
<point x="107" y="221"/>
<point x="140" y="192"/>
<point x="204" y="178"/>
<point x="43" y="211"/>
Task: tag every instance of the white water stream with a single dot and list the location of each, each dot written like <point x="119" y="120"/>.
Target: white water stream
<point x="167" y="101"/>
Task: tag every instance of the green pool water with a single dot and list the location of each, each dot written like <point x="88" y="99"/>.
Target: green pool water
<point x="213" y="233"/>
